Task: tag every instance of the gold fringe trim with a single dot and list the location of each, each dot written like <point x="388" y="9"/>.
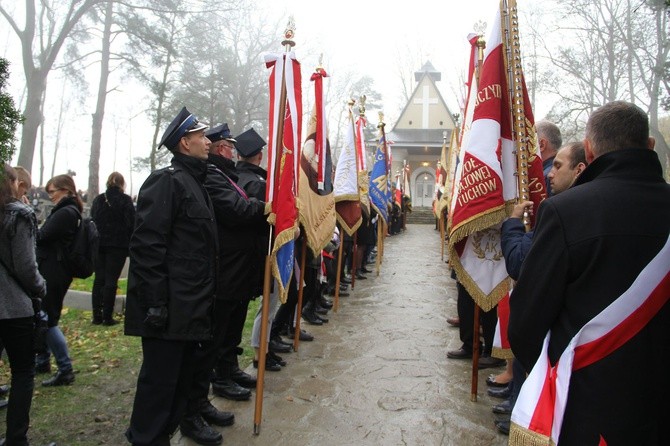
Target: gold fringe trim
<point x="282" y="238"/>
<point x="268" y="208"/>
<point x="347" y="197"/>
<point x="474" y="224"/>
<point x="485" y="302"/>
<point x="520" y="436"/>
<point x="477" y="223"/>
<point x="502" y="353"/>
<point x="272" y="217"/>
<point x="349" y="230"/>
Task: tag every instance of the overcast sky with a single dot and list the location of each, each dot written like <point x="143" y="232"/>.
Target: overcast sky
<point x="369" y="37"/>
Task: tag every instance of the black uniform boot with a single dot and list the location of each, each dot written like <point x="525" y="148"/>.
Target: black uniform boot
<point x="197" y="429"/>
<point x="214" y="416"/>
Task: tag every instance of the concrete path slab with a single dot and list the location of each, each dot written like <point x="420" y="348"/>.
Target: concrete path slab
<point x="377" y="374"/>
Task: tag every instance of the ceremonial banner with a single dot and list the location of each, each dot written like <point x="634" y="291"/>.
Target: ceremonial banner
<point x="379" y="180"/>
<point x="361" y="163"/>
<point x="346" y="190"/>
<point x="537" y="416"/>
<point x="449" y="160"/>
<point x="485" y="186"/>
<point x="316" y="199"/>
<point x="406" y="189"/>
<point x="283" y="156"/>
<point x="398" y="190"/>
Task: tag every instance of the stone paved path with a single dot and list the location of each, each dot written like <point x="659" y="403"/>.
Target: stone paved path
<point x="377" y="374"/>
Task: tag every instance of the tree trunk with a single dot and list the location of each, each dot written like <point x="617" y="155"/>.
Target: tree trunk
<point x="36" y="86"/>
<point x="98" y="116"/>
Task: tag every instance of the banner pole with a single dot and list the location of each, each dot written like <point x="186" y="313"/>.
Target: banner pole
<point x="481" y="44"/>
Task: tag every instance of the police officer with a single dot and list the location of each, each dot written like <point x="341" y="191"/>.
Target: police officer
<point x="172" y="281"/>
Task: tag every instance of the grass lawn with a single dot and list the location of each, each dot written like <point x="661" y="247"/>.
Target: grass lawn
<point x="95" y="410"/>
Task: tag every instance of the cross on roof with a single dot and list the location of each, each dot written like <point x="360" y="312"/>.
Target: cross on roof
<point x="425" y="101"/>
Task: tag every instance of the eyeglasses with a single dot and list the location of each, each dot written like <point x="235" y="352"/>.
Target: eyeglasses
<point x="52" y="191"/>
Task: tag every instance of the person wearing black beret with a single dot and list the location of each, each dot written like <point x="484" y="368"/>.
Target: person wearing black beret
<point x="172" y="284"/>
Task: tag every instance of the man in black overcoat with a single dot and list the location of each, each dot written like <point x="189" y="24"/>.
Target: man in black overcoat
<point x="172" y="281"/>
<point x="590" y="244"/>
<point x="235" y="211"/>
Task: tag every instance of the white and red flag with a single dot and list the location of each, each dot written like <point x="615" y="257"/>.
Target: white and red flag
<point x="361" y="163"/>
<point x="346" y="186"/>
<point x="316" y="199"/>
<point x="485" y="185"/>
<point x="283" y="157"/>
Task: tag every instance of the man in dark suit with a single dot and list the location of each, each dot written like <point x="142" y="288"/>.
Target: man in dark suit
<point x="172" y="281"/>
<point x="590" y="244"/>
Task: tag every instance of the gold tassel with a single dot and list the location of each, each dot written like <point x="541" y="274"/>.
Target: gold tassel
<point x="520" y="436"/>
<point x="502" y="353"/>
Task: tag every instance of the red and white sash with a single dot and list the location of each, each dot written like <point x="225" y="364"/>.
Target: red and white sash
<point x="538" y="413"/>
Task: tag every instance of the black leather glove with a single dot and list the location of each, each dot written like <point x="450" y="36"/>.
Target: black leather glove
<point x="156" y="318"/>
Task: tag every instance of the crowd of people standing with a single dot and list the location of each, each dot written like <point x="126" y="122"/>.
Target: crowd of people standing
<point x="197" y="240"/>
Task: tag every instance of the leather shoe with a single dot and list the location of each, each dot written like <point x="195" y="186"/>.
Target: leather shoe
<point x="197" y="429"/>
<point x="303" y="336"/>
<point x="243" y="379"/>
<point x="324" y="320"/>
<point x="325" y="303"/>
<point x="270" y="365"/>
<point x="320" y="310"/>
<point x="110" y="322"/>
<point x="276" y="358"/>
<point x="454" y="321"/>
<point x="461" y="353"/>
<point x="230" y="390"/>
<point x="344" y="287"/>
<point x="214" y="416"/>
<point x="345" y="279"/>
<point x="277" y="338"/>
<point x="502" y="426"/>
<point x="59" y="379"/>
<point x="503" y="393"/>
<point x="343" y="294"/>
<point x="4" y="390"/>
<point x="491" y="382"/>
<point x="365" y="270"/>
<point x="360" y="276"/>
<point x="504" y="408"/>
<point x="487" y="362"/>
<point x="3" y="403"/>
<point x="312" y="319"/>
<point x="277" y="347"/>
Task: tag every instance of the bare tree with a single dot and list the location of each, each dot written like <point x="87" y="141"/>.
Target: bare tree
<point x="609" y="50"/>
<point x="47" y="26"/>
<point x="98" y="115"/>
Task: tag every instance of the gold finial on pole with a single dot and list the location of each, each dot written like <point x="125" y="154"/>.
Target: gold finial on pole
<point x="289" y="33"/>
<point x="381" y="123"/>
<point x="361" y="107"/>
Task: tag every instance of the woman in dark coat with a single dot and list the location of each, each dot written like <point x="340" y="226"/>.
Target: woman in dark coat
<point x="53" y="239"/>
<point x="19" y="282"/>
<point x="114" y="215"/>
